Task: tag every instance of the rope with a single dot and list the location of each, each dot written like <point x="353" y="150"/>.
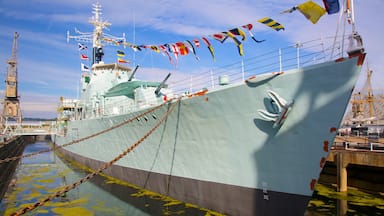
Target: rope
<point x="84" y="138"/>
<point x="98" y="171"/>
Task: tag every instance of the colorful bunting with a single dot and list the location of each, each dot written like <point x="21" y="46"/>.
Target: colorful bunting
<point x="271" y="23"/>
<point x="84" y="67"/>
<point x="183" y="50"/>
<point x="117" y="42"/>
<point x="222" y="36"/>
<point x="238" y="32"/>
<point x="311" y="11"/>
<point x="237" y="42"/>
<point x="109" y="40"/>
<point x="249" y="28"/>
<point x="173" y="49"/>
<point x="290" y="10"/>
<point x="84" y="57"/>
<point x="209" y="46"/>
<point x="120" y="53"/>
<point x="154" y="48"/>
<point x="82" y="46"/>
<point x="164" y="49"/>
<point x="331" y="6"/>
<point x="189" y="45"/>
<point x="120" y="60"/>
<point x="135" y="48"/>
<point x="196" y="42"/>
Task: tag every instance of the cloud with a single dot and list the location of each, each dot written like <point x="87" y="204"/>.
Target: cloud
<point x="47" y="76"/>
<point x="38" y="105"/>
<point x="188" y="18"/>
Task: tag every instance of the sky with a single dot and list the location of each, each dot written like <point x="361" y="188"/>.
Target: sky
<point x="49" y="66"/>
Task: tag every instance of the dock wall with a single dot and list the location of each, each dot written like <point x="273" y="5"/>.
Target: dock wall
<point x="10" y="148"/>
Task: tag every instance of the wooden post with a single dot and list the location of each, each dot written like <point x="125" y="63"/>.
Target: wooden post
<point x="341" y="173"/>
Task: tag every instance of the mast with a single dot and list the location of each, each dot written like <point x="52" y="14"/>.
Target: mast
<point x="98" y="38"/>
<point x="99" y="25"/>
<point x="11" y="104"/>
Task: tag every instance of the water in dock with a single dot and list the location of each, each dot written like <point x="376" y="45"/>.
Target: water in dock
<point x="326" y="201"/>
<point x="42" y="175"/>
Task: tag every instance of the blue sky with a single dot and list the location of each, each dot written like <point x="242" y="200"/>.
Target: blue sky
<point x="49" y="67"/>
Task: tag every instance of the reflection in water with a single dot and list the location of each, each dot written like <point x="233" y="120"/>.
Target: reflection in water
<point x="327" y="201"/>
<point x="46" y="173"/>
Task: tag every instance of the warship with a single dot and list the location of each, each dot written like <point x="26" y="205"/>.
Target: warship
<point x="240" y="142"/>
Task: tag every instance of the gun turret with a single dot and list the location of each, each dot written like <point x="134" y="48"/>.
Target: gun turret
<point x="133" y="73"/>
<point x="157" y="91"/>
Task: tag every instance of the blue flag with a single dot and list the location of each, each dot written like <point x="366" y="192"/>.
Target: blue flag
<point x="331" y="6"/>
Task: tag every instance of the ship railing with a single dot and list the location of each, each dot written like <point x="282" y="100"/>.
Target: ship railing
<point x="356" y="146"/>
<point x="118" y="108"/>
<point x="297" y="55"/>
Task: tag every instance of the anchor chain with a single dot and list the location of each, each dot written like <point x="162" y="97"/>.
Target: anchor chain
<point x="98" y="171"/>
<point x="84" y="138"/>
<point x="7" y="142"/>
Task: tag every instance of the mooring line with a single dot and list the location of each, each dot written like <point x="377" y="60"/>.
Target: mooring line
<point x="87" y="137"/>
<point x="98" y="171"/>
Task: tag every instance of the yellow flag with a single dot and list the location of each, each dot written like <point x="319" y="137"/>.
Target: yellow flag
<point x="311" y="11"/>
<point x="271" y="23"/>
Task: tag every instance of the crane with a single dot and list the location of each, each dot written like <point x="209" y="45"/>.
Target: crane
<point x="364" y="102"/>
<point x="11" y="103"/>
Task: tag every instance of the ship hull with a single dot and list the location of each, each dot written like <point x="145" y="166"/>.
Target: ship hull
<point x="214" y="150"/>
<point x="231" y="199"/>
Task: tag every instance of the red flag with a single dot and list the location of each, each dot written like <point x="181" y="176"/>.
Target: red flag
<point x="164" y="49"/>
<point x="120" y="60"/>
<point x="196" y="42"/>
<point x="173" y="48"/>
<point x="209" y="46"/>
<point x="183" y="50"/>
<point x="248" y="26"/>
<point x="220" y="36"/>
<point x="84" y="57"/>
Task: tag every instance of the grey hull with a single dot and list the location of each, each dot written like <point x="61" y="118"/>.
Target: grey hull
<point x="211" y="195"/>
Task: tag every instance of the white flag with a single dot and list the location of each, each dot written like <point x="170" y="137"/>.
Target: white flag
<point x="84" y="67"/>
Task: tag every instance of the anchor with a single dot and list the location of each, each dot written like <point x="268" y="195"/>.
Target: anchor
<point x="283" y="108"/>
